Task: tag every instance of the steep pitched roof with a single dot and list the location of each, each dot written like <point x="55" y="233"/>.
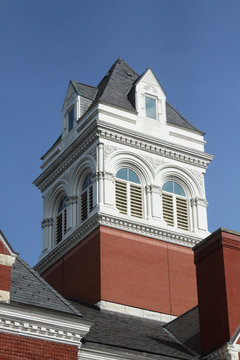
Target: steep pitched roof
<point x="129" y="333"/>
<point x="173" y="117"/>
<point x="29" y="288"/>
<point x="117" y="88"/>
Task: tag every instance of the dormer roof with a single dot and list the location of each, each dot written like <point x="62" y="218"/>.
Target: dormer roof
<point x="117" y="88"/>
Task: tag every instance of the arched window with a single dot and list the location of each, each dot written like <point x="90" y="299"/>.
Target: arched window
<point x="128" y="193"/>
<point x="86" y="197"/>
<point x="175" y="208"/>
<point x="61" y="220"/>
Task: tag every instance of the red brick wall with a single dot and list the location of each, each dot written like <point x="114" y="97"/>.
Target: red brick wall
<point x="77" y="274"/>
<point x="3" y="249"/>
<point x="232" y="278"/>
<point x="146" y="273"/>
<point x="218" y="268"/>
<point x="5" y="277"/>
<point x="15" y="347"/>
<point x="129" y="269"/>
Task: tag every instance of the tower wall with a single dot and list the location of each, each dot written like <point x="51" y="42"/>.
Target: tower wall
<point x="127" y="269"/>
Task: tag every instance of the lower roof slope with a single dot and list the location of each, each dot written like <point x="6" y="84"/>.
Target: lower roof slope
<point x="124" y="333"/>
<point x="29" y="288"/>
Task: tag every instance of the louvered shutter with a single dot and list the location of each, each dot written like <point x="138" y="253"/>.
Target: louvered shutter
<point x="121" y="196"/>
<point x="136" y="201"/>
<point x="84" y="206"/>
<point x="59" y="228"/>
<point x="168" y="211"/>
<point x="90" y="196"/>
<point x="182" y="213"/>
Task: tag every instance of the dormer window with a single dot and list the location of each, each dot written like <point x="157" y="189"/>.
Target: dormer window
<point x="70" y="119"/>
<point x="150" y="106"/>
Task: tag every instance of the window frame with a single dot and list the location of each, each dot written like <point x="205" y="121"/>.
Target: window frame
<point x="72" y="112"/>
<point x="61" y="221"/>
<point x="180" y="208"/>
<point x="148" y="96"/>
<point x="129" y="189"/>
<point x="86" y="197"/>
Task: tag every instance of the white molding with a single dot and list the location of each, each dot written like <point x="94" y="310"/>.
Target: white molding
<point x="90" y="353"/>
<point x="102" y="130"/>
<point x="43" y="325"/>
<point x="4" y="296"/>
<point x="139" y="227"/>
<point x="134" y="311"/>
<point x="181" y="136"/>
<point x="7" y="260"/>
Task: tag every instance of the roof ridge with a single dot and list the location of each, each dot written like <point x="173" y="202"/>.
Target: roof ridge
<point x="78" y="82"/>
<point x="50" y="288"/>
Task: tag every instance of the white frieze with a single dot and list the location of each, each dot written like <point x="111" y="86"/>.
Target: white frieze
<point x="109" y="149"/>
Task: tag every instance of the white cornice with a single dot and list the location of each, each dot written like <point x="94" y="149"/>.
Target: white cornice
<point x="100" y="129"/>
<point x="154" y="145"/>
<point x="134" y="226"/>
<point x="96" y="353"/>
<point x="66" y="159"/>
<point x="44" y="325"/>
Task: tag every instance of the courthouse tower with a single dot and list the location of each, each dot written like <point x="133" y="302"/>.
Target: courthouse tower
<point x="123" y="197"/>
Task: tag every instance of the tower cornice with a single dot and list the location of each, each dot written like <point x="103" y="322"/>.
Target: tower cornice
<point x="101" y="130"/>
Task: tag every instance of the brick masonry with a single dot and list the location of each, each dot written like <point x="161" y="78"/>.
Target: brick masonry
<point x="16" y="347"/>
<point x="128" y="269"/>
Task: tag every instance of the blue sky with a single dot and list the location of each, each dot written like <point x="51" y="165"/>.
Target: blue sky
<point x="193" y="48"/>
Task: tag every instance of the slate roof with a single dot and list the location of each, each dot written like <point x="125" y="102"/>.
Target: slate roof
<point x="29" y="288"/>
<point x="189" y="321"/>
<point x="126" y="333"/>
<point x="117" y="88"/>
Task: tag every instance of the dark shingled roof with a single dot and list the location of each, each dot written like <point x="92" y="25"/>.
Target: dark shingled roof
<point x="117" y="88"/>
<point x="29" y="288"/>
<point x="130" y="333"/>
<point x="86" y="91"/>
<point x="189" y="321"/>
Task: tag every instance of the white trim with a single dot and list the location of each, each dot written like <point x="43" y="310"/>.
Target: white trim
<point x="43" y="324"/>
<point x="4" y="296"/>
<point x="122" y="136"/>
<point x="134" y="311"/>
<point x="123" y="222"/>
<point x="89" y="353"/>
<point x="7" y="260"/>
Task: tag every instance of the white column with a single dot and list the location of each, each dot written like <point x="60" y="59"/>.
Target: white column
<point x="109" y="191"/>
<point x="71" y="212"/>
<point x="193" y="204"/>
<point x="47" y="227"/>
<point x="148" y="202"/>
<point x="156" y="192"/>
<point x="202" y="214"/>
<point x="100" y="170"/>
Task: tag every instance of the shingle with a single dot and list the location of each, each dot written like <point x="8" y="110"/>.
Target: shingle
<point x="27" y="287"/>
<point x="189" y="321"/>
<point x="131" y="333"/>
<point x="173" y="117"/>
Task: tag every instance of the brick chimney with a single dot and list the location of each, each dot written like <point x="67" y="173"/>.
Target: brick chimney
<point x="7" y="259"/>
<point x="217" y="260"/>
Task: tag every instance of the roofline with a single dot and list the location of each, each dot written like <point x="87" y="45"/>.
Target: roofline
<point x="6" y="243"/>
<point x="196" y="129"/>
<point x="141" y="76"/>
